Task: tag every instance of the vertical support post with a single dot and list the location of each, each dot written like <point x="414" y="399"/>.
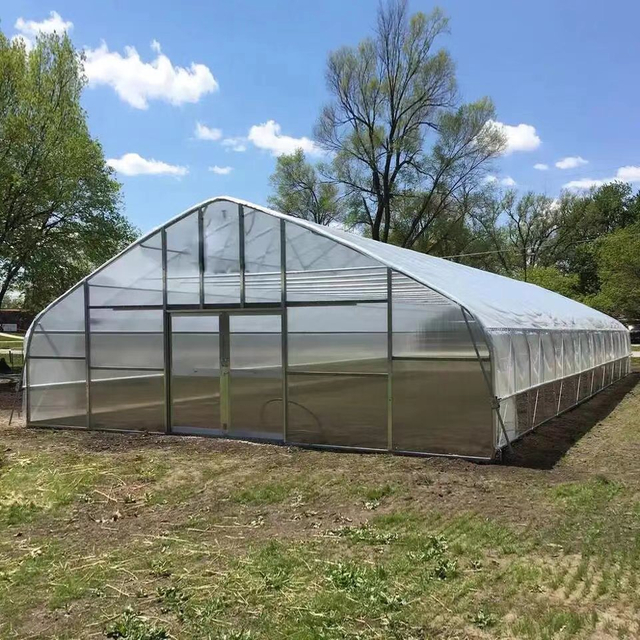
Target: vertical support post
<point x="166" y="330"/>
<point x="529" y="417"/>
<point x="243" y="295"/>
<point x="284" y="330"/>
<point x="225" y="365"/>
<point x="389" y="361"/>
<point x="201" y="255"/>
<point x="87" y="352"/>
<point x="561" y="379"/>
<point x="592" y="362"/>
<point x="495" y="403"/>
<point x="580" y="361"/>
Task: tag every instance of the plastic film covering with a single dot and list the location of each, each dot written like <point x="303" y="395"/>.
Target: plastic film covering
<point x="547" y="352"/>
<point x="195" y="372"/>
<point x="221" y="239"/>
<point x="320" y="269"/>
<point x="261" y="256"/>
<point x="183" y="261"/>
<point x="337" y="375"/>
<point x="441" y="401"/>
<point x="56" y="366"/>
<point x="255" y="376"/>
<point x="133" y="279"/>
<point x="540" y="374"/>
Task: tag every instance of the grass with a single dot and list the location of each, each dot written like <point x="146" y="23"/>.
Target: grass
<point x="150" y="538"/>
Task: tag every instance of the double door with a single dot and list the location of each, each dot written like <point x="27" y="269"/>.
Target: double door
<point x="226" y="374"/>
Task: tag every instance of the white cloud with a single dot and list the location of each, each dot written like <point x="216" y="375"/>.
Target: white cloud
<point x="584" y="183"/>
<point x="540" y="166"/>
<point x="235" y="144"/>
<point x="137" y="82"/>
<point x="628" y="173"/>
<point x="133" y="164"/>
<point x="221" y="171"/>
<point x="202" y="132"/>
<point x="519" y="137"/>
<point x="571" y="162"/>
<point x="507" y="181"/>
<point x="268" y="136"/>
<point x="29" y="29"/>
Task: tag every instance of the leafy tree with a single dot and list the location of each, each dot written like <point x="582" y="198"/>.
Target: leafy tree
<point x="566" y="284"/>
<point x="388" y="94"/>
<point x="300" y="192"/>
<point x="58" y="199"/>
<point x="522" y="232"/>
<point x="618" y="259"/>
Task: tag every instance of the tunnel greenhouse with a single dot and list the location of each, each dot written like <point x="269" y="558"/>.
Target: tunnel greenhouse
<point x="233" y="320"/>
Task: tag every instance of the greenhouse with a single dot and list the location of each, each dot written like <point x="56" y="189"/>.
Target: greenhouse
<point x="233" y="320"/>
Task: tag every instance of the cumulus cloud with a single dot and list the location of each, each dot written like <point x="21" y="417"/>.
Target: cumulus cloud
<point x="627" y="173"/>
<point x="29" y="29"/>
<point x="519" y="137"/>
<point x="202" y="132"/>
<point x="269" y="136"/>
<point x="133" y="164"/>
<point x="540" y="166"/>
<point x="221" y="171"/>
<point x="584" y="183"/>
<point x="507" y="181"/>
<point x="571" y="162"/>
<point x="138" y="82"/>
<point x="235" y="144"/>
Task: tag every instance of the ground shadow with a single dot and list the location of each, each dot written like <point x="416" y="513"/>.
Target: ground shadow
<point x="546" y="445"/>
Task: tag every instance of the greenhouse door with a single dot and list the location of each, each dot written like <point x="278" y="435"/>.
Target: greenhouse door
<point x="226" y="374"/>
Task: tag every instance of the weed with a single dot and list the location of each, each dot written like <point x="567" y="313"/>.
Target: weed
<point x="132" y="626"/>
<point x="367" y="534"/>
<point x="483" y="620"/>
<point x="262" y="494"/>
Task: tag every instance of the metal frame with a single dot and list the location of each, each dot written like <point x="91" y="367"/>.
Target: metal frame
<point x="389" y="360"/>
<point x="284" y="329"/>
<point x="87" y="351"/>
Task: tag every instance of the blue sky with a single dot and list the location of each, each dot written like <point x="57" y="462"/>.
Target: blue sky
<point x="563" y="74"/>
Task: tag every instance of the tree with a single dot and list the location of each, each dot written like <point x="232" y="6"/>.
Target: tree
<point x="523" y="233"/>
<point x="388" y="94"/>
<point x="58" y="199"/>
<point x="299" y="191"/>
<point x="618" y="259"/>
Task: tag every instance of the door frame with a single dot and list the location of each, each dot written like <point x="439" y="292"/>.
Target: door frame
<point x="223" y="315"/>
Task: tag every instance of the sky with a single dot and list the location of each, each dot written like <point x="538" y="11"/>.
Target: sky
<point x="196" y="99"/>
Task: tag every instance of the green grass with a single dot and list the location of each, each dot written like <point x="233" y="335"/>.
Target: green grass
<point x="151" y="538"/>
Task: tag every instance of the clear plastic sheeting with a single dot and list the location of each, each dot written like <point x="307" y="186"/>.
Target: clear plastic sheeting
<point x="134" y="279"/>
<point x="232" y="319"/>
<point x="261" y="257"/>
<point x="320" y="269"/>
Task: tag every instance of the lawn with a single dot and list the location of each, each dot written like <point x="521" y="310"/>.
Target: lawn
<point x="145" y="537"/>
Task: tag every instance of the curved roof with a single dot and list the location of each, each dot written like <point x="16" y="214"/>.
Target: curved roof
<point x="497" y="302"/>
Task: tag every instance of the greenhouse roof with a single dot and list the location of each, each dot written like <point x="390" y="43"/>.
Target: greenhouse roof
<point x="497" y="302"/>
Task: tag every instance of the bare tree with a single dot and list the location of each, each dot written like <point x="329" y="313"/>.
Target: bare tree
<point x="388" y="95"/>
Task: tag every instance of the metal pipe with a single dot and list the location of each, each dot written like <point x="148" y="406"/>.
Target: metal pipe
<point x="87" y="352"/>
<point x="243" y="295"/>
<point x="201" y="265"/>
<point x="284" y="330"/>
<point x="389" y="360"/>
<point x="166" y="328"/>
<point x="495" y="403"/>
